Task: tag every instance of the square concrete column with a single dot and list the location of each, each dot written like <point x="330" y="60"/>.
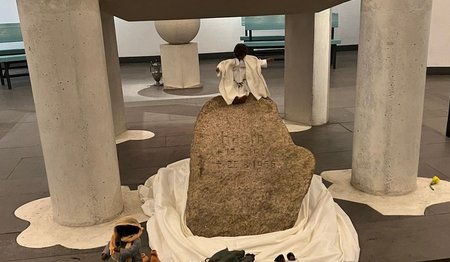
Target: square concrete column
<point x="66" y="60"/>
<point x="307" y="69"/>
<point x="114" y="76"/>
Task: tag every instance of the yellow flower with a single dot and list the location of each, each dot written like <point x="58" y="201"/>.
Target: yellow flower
<point x="434" y="181"/>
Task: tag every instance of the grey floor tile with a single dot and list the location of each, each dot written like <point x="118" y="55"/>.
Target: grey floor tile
<point x="75" y="257"/>
<point x="137" y="176"/>
<point x="425" y="170"/>
<point x="344" y="75"/>
<point x="183" y="117"/>
<point x="21" y="135"/>
<point x="181" y="127"/>
<point x="363" y="214"/>
<point x="439" y="209"/>
<point x="326" y="130"/>
<point x="7" y="165"/>
<point x="175" y="109"/>
<point x="342" y="98"/>
<point x="152" y="157"/>
<point x="29" y="167"/>
<point x="441" y="164"/>
<point x="11" y="116"/>
<point x="333" y="161"/>
<point x="21" y="151"/>
<point x="338" y="142"/>
<point x="410" y="239"/>
<point x="29" y="117"/>
<point x="11" y="251"/>
<point x="3" y="133"/>
<point x="435" y="102"/>
<point x="10" y="223"/>
<point x="140" y="116"/>
<point x="435" y="150"/>
<point x="12" y="187"/>
<point x="341" y="115"/>
<point x="437" y="123"/>
<point x="10" y="158"/>
<point x="434" y="113"/>
<point x="431" y="136"/>
<point x="349" y="126"/>
<point x="181" y="140"/>
<point x="6" y="127"/>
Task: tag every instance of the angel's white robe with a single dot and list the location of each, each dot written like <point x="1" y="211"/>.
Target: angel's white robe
<point x="240" y="78"/>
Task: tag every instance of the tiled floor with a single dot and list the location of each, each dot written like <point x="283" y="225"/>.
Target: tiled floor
<point x="382" y="238"/>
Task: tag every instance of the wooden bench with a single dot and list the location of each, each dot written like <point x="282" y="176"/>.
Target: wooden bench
<point x="263" y="23"/>
<point x="12" y="52"/>
<point x="276" y="22"/>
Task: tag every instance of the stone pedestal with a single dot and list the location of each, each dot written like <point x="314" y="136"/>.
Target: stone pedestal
<point x="67" y="65"/>
<point x="180" y="65"/>
<point x="307" y="68"/>
<point x="390" y="88"/>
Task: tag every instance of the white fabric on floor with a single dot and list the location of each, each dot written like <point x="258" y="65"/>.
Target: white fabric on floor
<point x="323" y="232"/>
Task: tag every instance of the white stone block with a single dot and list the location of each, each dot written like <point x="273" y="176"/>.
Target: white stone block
<point x="180" y="66"/>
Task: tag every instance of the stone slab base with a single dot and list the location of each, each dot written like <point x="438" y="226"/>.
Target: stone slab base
<point x="412" y="204"/>
<point x="44" y="232"/>
<point x="134" y="135"/>
<point x="295" y="127"/>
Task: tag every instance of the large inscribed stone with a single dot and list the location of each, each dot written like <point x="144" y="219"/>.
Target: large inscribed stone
<point x="247" y="176"/>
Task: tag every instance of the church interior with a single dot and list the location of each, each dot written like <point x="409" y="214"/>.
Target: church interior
<point x="365" y="85"/>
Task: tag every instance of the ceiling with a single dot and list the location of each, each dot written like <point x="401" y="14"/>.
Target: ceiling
<point x="150" y="10"/>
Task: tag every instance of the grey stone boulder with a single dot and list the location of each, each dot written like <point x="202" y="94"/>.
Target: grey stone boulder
<point x="247" y="177"/>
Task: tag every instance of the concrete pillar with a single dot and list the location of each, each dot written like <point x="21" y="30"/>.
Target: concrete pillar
<point x="114" y="77"/>
<point x="448" y="122"/>
<point x="307" y="68"/>
<point x="321" y="67"/>
<point x="66" y="60"/>
<point x="392" y="60"/>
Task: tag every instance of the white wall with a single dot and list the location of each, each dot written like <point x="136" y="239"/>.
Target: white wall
<point x="8" y="11"/>
<point x="439" y="44"/>
<point x="215" y="35"/>
<point x="221" y="34"/>
<point x="348" y="30"/>
<point x="141" y="38"/>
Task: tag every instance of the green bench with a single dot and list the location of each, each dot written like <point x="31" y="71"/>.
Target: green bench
<point x="276" y="22"/>
<point x="12" y="52"/>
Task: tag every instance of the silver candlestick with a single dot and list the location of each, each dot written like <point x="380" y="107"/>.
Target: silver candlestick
<point x="155" y="69"/>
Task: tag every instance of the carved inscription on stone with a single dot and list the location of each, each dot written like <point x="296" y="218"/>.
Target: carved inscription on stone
<point x="247" y="177"/>
<point x="232" y="154"/>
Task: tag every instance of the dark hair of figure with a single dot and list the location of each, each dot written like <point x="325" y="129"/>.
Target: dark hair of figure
<point x="240" y="51"/>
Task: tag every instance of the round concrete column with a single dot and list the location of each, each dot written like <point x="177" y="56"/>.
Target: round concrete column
<point x="392" y="61"/>
<point x="307" y="67"/>
<point x="114" y="77"/>
<point x="66" y="60"/>
<point x="321" y="67"/>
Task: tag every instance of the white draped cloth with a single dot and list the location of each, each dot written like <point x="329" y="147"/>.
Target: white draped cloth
<point x="234" y="83"/>
<point x="323" y="232"/>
